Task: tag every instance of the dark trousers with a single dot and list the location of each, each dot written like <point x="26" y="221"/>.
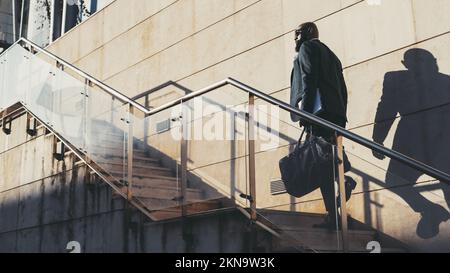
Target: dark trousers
<point x="327" y="189"/>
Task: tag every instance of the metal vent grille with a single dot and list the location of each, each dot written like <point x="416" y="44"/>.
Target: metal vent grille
<point x="163" y="126"/>
<point x="277" y="187"/>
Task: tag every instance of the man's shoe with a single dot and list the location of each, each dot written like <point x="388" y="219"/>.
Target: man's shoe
<point x="350" y="185"/>
<point x="432" y="217"/>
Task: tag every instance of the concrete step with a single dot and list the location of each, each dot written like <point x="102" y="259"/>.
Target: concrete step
<point x="110" y="132"/>
<point x="138" y="170"/>
<point x="106" y="130"/>
<point x="298" y="249"/>
<point x="155" y="204"/>
<point x="115" y="152"/>
<point x="303" y="219"/>
<point x="298" y="226"/>
<point x="147" y="176"/>
<point x="324" y="240"/>
<point x="144" y="180"/>
<point x="162" y="194"/>
<point x="193" y="208"/>
<point x="166" y="192"/>
<point x="154" y="181"/>
<point x="298" y="231"/>
<point x="383" y="250"/>
<point x="116" y="142"/>
<point x="139" y="160"/>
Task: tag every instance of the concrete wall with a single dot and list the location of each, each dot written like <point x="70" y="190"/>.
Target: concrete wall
<point x="136" y="45"/>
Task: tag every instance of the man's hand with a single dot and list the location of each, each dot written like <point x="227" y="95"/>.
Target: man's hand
<point x="378" y="155"/>
<point x="304" y="123"/>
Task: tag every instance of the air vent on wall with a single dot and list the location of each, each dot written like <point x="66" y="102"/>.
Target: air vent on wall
<point x="163" y="126"/>
<point x="277" y="187"/>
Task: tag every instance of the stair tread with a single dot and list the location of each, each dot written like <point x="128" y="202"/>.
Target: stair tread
<point x="166" y="193"/>
<point x="171" y="205"/>
<point x="135" y="164"/>
<point x="290" y="245"/>
<point x="114" y="148"/>
<point x="322" y="230"/>
<point x="150" y="167"/>
<point x="154" y="180"/>
<point x="159" y="198"/>
<point x="159" y="193"/>
<point x="118" y="159"/>
<point x="193" y="208"/>
<point x="144" y="182"/>
<point x="304" y="219"/>
<point x="148" y="176"/>
<point x="167" y="187"/>
<point x="328" y="241"/>
<point x="193" y="204"/>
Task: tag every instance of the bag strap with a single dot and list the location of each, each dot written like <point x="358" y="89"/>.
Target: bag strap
<point x="301" y="135"/>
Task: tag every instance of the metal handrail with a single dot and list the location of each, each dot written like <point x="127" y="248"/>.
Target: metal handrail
<point x="435" y="173"/>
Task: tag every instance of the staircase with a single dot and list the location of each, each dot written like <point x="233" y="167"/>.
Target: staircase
<point x="156" y="189"/>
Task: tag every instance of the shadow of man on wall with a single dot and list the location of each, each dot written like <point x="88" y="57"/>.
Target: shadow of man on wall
<point x="420" y="98"/>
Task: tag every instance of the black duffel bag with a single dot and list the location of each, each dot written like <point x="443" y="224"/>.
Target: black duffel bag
<point x="309" y="165"/>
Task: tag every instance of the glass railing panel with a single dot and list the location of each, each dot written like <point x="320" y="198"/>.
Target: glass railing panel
<point x="157" y="162"/>
<point x="89" y="118"/>
<point x="68" y="102"/>
<point x="16" y="71"/>
<point x="217" y="146"/>
<point x="3" y="58"/>
<point x="106" y="125"/>
<point x="56" y="98"/>
<point x="213" y="128"/>
<point x="62" y="100"/>
<point x="43" y="85"/>
<point x="225" y="181"/>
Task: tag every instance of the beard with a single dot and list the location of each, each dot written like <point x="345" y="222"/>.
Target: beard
<point x="298" y="44"/>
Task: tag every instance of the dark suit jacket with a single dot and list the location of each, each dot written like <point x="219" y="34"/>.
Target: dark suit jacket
<point x="317" y="67"/>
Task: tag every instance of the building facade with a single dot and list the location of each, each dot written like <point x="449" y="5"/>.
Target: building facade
<point x="6" y="26"/>
<point x="396" y="65"/>
<point x="43" y="21"/>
